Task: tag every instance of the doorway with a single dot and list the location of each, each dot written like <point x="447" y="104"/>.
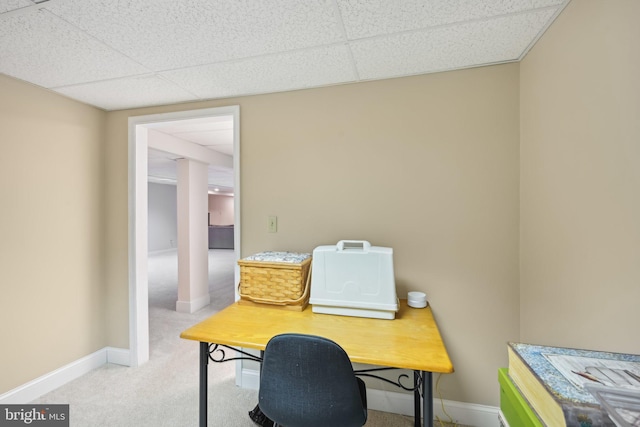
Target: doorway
<point x="138" y="211"/>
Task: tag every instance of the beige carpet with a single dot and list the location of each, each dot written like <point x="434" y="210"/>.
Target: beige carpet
<point x="164" y="391"/>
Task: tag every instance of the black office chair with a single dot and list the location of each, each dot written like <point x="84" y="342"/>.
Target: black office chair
<point x="308" y="381"/>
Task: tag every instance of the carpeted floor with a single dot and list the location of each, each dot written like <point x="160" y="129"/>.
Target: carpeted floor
<point x="164" y="391"/>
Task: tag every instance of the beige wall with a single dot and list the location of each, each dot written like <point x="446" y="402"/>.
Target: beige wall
<point x="51" y="251"/>
<point x="580" y="180"/>
<point x="220" y="210"/>
<point x="427" y="165"/>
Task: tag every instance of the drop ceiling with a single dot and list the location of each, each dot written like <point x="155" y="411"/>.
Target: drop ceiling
<point x="119" y="54"/>
<point x="214" y="133"/>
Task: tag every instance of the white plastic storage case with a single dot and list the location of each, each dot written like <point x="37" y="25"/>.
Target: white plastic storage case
<point x="354" y="278"/>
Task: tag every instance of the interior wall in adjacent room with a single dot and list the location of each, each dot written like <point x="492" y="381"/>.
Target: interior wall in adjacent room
<point x="162" y="217"/>
<point x="220" y="210"/>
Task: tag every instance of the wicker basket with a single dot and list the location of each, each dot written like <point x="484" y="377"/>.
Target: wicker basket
<point x="279" y="279"/>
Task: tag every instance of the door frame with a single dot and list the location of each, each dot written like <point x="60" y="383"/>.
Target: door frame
<point x="138" y="220"/>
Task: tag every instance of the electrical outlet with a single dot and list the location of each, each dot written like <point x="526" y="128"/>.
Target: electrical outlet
<point x="272" y="224"/>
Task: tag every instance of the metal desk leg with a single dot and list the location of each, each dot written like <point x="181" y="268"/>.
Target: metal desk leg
<point x="427" y="398"/>
<point x="416" y="398"/>
<point x="204" y="362"/>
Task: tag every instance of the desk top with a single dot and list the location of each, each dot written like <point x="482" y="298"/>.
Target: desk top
<point x="410" y="341"/>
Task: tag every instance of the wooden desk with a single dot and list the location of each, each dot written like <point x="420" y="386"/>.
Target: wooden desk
<point x="410" y="341"/>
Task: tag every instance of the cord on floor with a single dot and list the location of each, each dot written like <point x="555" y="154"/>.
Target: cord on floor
<point x="444" y="411"/>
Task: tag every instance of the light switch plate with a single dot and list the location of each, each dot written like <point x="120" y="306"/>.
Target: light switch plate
<point x="272" y="224"/>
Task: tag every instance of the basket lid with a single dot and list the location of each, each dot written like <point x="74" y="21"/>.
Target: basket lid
<point x="273" y="256"/>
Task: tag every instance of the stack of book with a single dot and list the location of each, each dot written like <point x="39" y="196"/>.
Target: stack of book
<point x="553" y="381"/>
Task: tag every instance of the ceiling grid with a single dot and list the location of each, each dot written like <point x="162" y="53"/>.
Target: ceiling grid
<point x="121" y="54"/>
<point x="135" y="53"/>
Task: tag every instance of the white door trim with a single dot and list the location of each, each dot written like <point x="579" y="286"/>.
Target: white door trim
<point x="138" y="278"/>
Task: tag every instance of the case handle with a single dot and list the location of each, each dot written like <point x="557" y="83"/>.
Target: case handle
<point x="353" y="245"/>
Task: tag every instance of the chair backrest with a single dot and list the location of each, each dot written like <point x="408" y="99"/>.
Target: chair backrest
<point x="308" y="381"/>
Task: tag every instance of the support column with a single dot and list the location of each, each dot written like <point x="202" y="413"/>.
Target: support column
<point x="193" y="247"/>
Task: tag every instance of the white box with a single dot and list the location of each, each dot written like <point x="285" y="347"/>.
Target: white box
<point x="354" y="278"/>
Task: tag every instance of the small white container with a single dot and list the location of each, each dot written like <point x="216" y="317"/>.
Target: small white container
<point x="417" y="299"/>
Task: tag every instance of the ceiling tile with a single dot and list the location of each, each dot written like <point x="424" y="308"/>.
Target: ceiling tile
<point x="222" y="148"/>
<point x="367" y="18"/>
<point x="45" y="50"/>
<point x="446" y="48"/>
<point x="9" y="5"/>
<point x="220" y="176"/>
<point x="135" y="53"/>
<point x="127" y="93"/>
<point x="164" y="170"/>
<point x="215" y="133"/>
<point x="288" y="71"/>
<point x="161" y="167"/>
<point x="209" y="137"/>
<point x="203" y="31"/>
<point x="155" y="154"/>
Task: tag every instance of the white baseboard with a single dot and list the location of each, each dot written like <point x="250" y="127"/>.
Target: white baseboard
<point x="192" y="306"/>
<point x="502" y="419"/>
<point x="61" y="376"/>
<point x="118" y="356"/>
<point x="250" y="379"/>
<point x="470" y="414"/>
<point x="402" y="403"/>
